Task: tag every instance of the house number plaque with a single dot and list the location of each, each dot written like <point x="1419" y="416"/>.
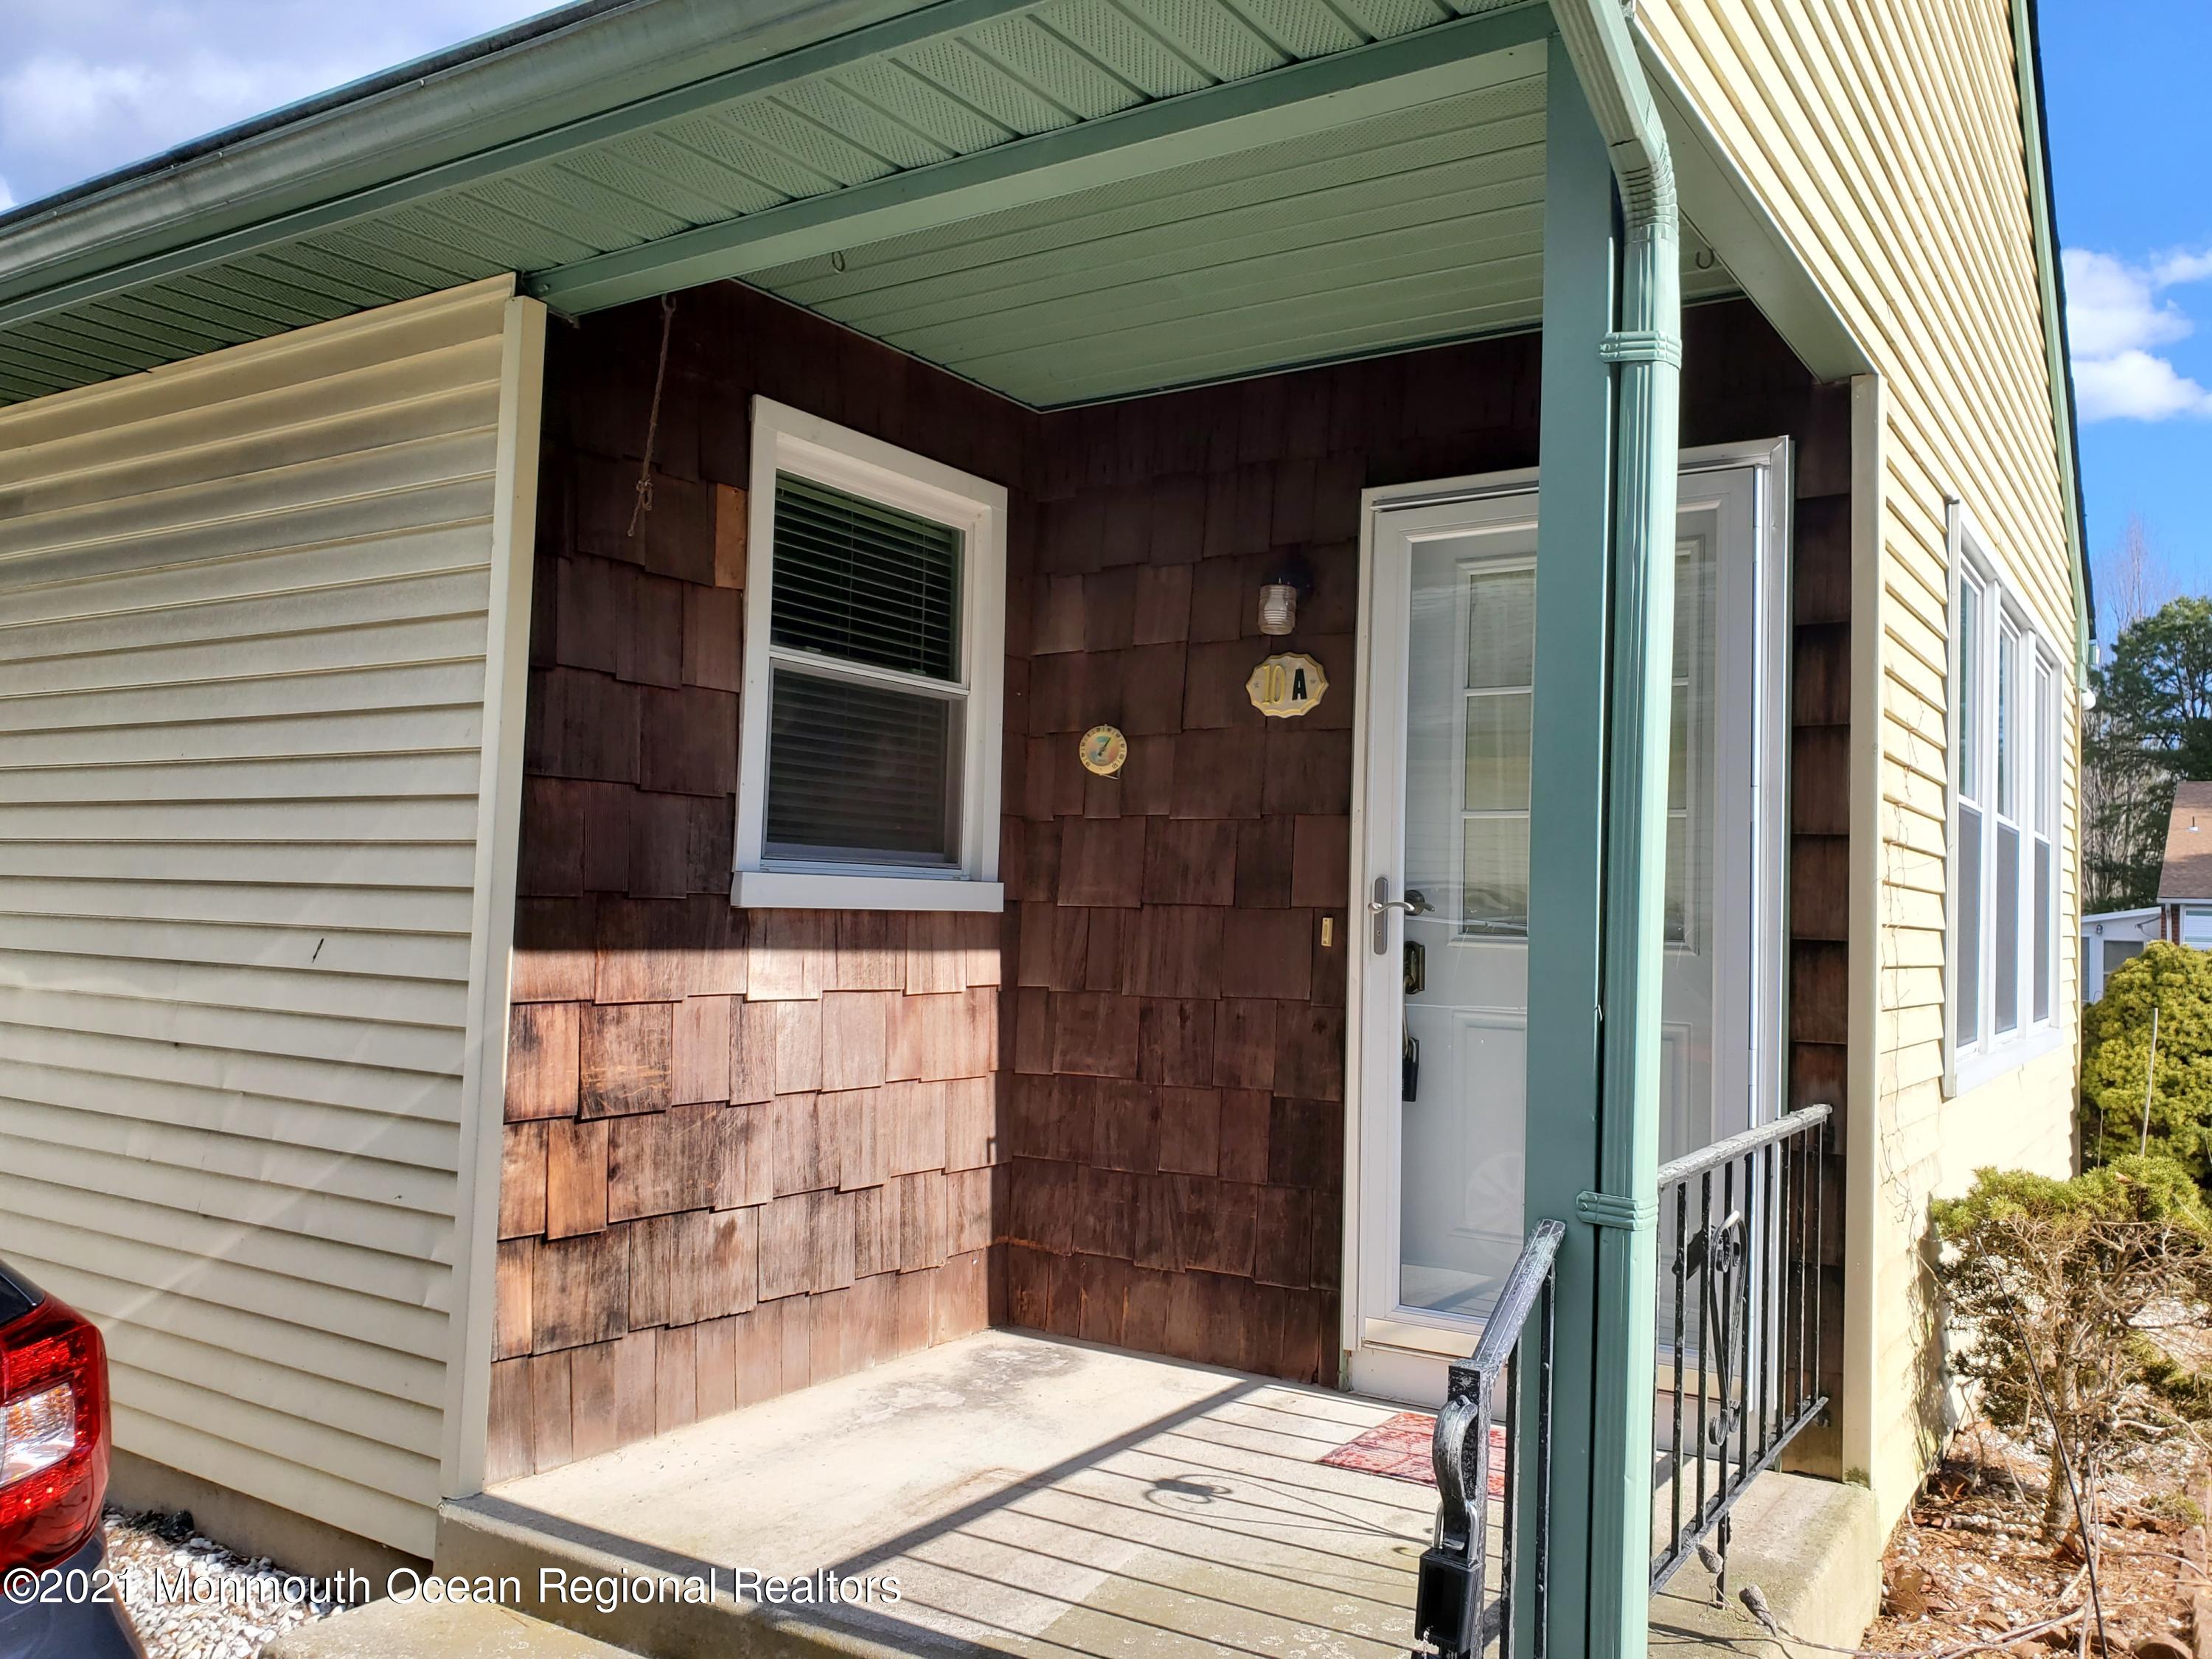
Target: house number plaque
<point x="1287" y="684"/>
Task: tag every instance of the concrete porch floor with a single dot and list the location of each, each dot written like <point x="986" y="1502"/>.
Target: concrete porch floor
<point x="1032" y="1496"/>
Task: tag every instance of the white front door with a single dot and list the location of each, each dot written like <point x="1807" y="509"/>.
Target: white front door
<point x="1434" y="1211"/>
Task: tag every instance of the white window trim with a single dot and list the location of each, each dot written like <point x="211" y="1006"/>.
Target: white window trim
<point x="787" y="439"/>
<point x="1993" y="1054"/>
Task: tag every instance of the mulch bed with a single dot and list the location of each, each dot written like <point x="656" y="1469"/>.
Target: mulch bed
<point x="1967" y="1570"/>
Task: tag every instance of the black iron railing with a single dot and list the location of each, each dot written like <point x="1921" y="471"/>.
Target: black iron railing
<point x="1455" y="1611"/>
<point x="1740" y="1236"/>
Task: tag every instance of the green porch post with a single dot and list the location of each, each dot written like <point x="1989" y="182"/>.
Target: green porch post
<point x="1567" y="813"/>
<point x="1598" y="831"/>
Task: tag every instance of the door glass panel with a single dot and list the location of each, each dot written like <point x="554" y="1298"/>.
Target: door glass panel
<point x="1471" y="661"/>
<point x="1469" y="723"/>
<point x="1688" y="1119"/>
<point x="1497" y="751"/>
<point x="1495" y="902"/>
<point x="1501" y="629"/>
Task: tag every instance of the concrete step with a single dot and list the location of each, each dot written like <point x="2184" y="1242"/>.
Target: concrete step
<point x="423" y="1630"/>
<point x="1813" y="1548"/>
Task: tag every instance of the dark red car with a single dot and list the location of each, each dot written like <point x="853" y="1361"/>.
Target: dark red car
<point x="57" y="1601"/>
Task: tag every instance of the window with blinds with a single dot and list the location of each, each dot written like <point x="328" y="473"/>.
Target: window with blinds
<point x="871" y="728"/>
<point x="2004" y="866"/>
<point x="866" y="699"/>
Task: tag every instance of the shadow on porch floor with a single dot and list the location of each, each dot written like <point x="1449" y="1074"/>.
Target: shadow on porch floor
<point x="1039" y="1497"/>
<point x="1031" y="1496"/>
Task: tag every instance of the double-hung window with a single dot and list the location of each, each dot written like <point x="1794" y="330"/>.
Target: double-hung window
<point x="2004" y="787"/>
<point x="874" y="659"/>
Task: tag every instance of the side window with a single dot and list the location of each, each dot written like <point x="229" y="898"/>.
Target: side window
<point x="2006" y="750"/>
<point x="1966" y="883"/>
<point x="875" y="646"/>
<point x="2045" y="814"/>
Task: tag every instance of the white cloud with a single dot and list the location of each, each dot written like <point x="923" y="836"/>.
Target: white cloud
<point x="2113" y="308"/>
<point x="2133" y="385"/>
<point x="88" y="85"/>
<point x="7" y="196"/>
<point x="2115" y="312"/>
<point x="2182" y="267"/>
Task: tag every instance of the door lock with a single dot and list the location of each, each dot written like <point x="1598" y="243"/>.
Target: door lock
<point x="1382" y="904"/>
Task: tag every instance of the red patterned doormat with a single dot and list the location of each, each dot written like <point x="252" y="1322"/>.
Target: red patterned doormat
<point x="1401" y="1449"/>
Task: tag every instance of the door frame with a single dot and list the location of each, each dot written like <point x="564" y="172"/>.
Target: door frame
<point x="1413" y="1371"/>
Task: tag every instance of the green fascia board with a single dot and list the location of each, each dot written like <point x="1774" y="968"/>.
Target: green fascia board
<point x="1322" y="93"/>
<point x="241" y="222"/>
<point x="2027" y="61"/>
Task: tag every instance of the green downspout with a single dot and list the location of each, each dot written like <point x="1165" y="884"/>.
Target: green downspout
<point x="1647" y="353"/>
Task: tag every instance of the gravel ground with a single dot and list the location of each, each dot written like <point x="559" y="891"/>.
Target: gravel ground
<point x="192" y="1599"/>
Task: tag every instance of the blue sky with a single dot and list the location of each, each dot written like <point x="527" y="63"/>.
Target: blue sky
<point x="86" y="85"/>
<point x="2124" y="79"/>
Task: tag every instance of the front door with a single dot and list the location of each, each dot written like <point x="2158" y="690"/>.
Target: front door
<point x="1436" y="1210"/>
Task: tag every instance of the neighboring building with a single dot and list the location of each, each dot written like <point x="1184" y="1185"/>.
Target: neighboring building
<point x="2112" y="936"/>
<point x="459" y="1015"/>
<point x="2185" y="880"/>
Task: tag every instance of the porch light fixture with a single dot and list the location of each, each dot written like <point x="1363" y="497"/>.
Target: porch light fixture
<point x="1279" y="597"/>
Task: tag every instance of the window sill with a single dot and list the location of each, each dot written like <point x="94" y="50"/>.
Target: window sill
<point x="802" y="890"/>
<point x="2007" y="1054"/>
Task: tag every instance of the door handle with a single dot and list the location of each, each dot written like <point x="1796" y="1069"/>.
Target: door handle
<point x="1382" y="904"/>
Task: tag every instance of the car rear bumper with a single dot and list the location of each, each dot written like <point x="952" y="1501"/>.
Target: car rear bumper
<point x="73" y="1613"/>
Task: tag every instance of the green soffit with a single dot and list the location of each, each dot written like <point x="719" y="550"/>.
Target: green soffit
<point x="1295" y="179"/>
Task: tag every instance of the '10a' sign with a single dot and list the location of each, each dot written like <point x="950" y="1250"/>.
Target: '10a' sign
<point x="1286" y="684"/>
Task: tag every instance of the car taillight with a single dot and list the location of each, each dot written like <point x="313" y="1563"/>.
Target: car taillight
<point x="53" y="1434"/>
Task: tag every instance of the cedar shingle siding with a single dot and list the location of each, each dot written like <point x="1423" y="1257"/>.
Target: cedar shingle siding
<point x="748" y="1151"/>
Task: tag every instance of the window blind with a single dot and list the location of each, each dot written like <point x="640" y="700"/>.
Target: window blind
<point x="859" y="772"/>
<point x="857" y="580"/>
<point x="1967" y="955"/>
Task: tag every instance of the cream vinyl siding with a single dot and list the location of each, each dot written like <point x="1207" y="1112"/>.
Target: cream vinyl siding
<point x="1885" y="137"/>
<point x="246" y="605"/>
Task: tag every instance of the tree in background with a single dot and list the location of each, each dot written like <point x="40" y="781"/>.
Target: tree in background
<point x="2116" y="1060"/>
<point x="2159" y="684"/>
<point x="2133" y="581"/>
<point x="2152" y="723"/>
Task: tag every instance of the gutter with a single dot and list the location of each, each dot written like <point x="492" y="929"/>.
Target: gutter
<point x="583" y="73"/>
<point x="429" y="67"/>
<point x="1646" y="350"/>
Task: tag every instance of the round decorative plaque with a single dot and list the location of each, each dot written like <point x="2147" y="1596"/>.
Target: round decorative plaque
<point x="1104" y="751"/>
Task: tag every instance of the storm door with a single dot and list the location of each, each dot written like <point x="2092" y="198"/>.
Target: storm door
<point x="1443" y="860"/>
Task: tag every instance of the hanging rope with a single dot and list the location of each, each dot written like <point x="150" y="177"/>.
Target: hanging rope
<point x="644" y="504"/>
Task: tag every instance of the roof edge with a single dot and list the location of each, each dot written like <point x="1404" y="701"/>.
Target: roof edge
<point x="2027" y="62"/>
<point x="427" y="67"/>
<point x="554" y="70"/>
